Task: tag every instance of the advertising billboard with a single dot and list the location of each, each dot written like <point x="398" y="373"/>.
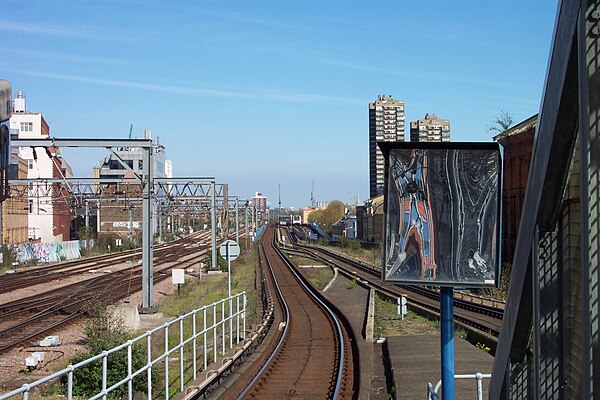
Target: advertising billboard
<point x="442" y="213"/>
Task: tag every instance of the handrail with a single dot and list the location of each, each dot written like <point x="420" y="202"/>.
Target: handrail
<point x="208" y="331"/>
<point x="432" y="392"/>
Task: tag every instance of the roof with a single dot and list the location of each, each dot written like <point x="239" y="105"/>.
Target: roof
<point x="519" y="128"/>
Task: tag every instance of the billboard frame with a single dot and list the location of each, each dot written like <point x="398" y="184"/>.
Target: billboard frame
<point x="386" y="148"/>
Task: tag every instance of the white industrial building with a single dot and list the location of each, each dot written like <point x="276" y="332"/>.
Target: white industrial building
<point x="49" y="218"/>
<point x="125" y="216"/>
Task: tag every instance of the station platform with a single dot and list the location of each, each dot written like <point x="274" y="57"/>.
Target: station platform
<point x="415" y="361"/>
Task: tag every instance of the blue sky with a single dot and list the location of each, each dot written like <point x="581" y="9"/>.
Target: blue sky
<point x="260" y="93"/>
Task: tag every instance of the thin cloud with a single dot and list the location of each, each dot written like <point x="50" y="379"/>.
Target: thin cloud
<point x="173" y="89"/>
<point x="71" y="32"/>
<point x="313" y="98"/>
<point x="135" y="85"/>
<point x="257" y="21"/>
<point x="65" y="57"/>
<point x="400" y="72"/>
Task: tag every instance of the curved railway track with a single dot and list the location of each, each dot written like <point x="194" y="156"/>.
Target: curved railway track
<point x="32" y="317"/>
<point x="311" y="355"/>
<point x="484" y="318"/>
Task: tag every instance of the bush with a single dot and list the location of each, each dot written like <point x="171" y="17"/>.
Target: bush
<point x="85" y="233"/>
<point x="104" y="333"/>
<point x="356" y="246"/>
<point x="343" y="242"/>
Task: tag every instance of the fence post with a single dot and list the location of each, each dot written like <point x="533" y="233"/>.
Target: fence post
<point x="479" y="376"/>
<point x="181" y="388"/>
<point x="104" y="371"/>
<point x="244" y="315"/>
<point x="129" y="371"/>
<point x="223" y="326"/>
<point x="26" y="393"/>
<point x="215" y="332"/>
<point x="205" y="341"/>
<point x="194" y="344"/>
<point x="70" y="382"/>
<point x="149" y="362"/>
<point x="230" y="301"/>
<point x="167" y="362"/>
<point x="237" y="318"/>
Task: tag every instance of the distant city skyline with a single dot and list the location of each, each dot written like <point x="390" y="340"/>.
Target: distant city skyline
<point x="267" y="93"/>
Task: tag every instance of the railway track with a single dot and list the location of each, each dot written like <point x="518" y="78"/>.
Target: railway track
<point x="38" y="275"/>
<point x="485" y="318"/>
<point x="311" y="356"/>
<point x="32" y="317"/>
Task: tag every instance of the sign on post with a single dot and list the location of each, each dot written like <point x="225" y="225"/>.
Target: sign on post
<point x="229" y="250"/>
<point x="178" y="276"/>
<point x="402" y="306"/>
<point x="442" y="213"/>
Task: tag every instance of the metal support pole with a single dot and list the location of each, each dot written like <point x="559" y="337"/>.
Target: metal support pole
<point x="147" y="253"/>
<point x="213" y="225"/>
<point x="87" y="214"/>
<point x="237" y="222"/>
<point x="254" y="221"/>
<point x="246" y="225"/>
<point x="160" y="224"/>
<point x="130" y="209"/>
<point x="447" y="342"/>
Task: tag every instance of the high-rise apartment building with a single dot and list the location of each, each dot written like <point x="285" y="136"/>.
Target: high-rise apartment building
<point x="386" y="124"/>
<point x="430" y="129"/>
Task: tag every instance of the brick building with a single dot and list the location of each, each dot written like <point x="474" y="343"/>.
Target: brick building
<point x="517" y="143"/>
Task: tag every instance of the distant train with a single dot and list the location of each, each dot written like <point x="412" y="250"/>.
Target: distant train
<point x="288" y="220"/>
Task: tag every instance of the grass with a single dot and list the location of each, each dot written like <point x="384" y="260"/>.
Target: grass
<point x="202" y="292"/>
<point x="318" y="277"/>
<point x="389" y="323"/>
<point x="370" y="256"/>
<point x="211" y="288"/>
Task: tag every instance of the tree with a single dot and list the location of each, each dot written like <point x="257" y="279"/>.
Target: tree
<point x="337" y="208"/>
<point x="326" y="218"/>
<point x="502" y="122"/>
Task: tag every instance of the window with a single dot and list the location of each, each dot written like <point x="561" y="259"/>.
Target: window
<point x="26" y="126"/>
<point x="140" y="165"/>
<point x="30" y="205"/>
<point x="30" y="164"/>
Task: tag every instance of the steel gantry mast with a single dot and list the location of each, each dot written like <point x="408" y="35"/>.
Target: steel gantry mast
<point x="84" y="189"/>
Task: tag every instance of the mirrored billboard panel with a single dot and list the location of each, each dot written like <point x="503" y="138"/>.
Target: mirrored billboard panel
<point x="442" y="214"/>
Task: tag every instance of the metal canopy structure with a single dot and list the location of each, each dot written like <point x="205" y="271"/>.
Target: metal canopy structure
<point x="549" y="344"/>
<point x="146" y="182"/>
<point x="202" y="190"/>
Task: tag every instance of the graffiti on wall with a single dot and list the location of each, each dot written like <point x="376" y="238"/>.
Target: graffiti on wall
<point x="47" y="252"/>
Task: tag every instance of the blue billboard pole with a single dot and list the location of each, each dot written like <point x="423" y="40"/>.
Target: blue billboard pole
<point x="447" y="341"/>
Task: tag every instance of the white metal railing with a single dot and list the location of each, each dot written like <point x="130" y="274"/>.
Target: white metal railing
<point x="220" y="323"/>
<point x="432" y="393"/>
